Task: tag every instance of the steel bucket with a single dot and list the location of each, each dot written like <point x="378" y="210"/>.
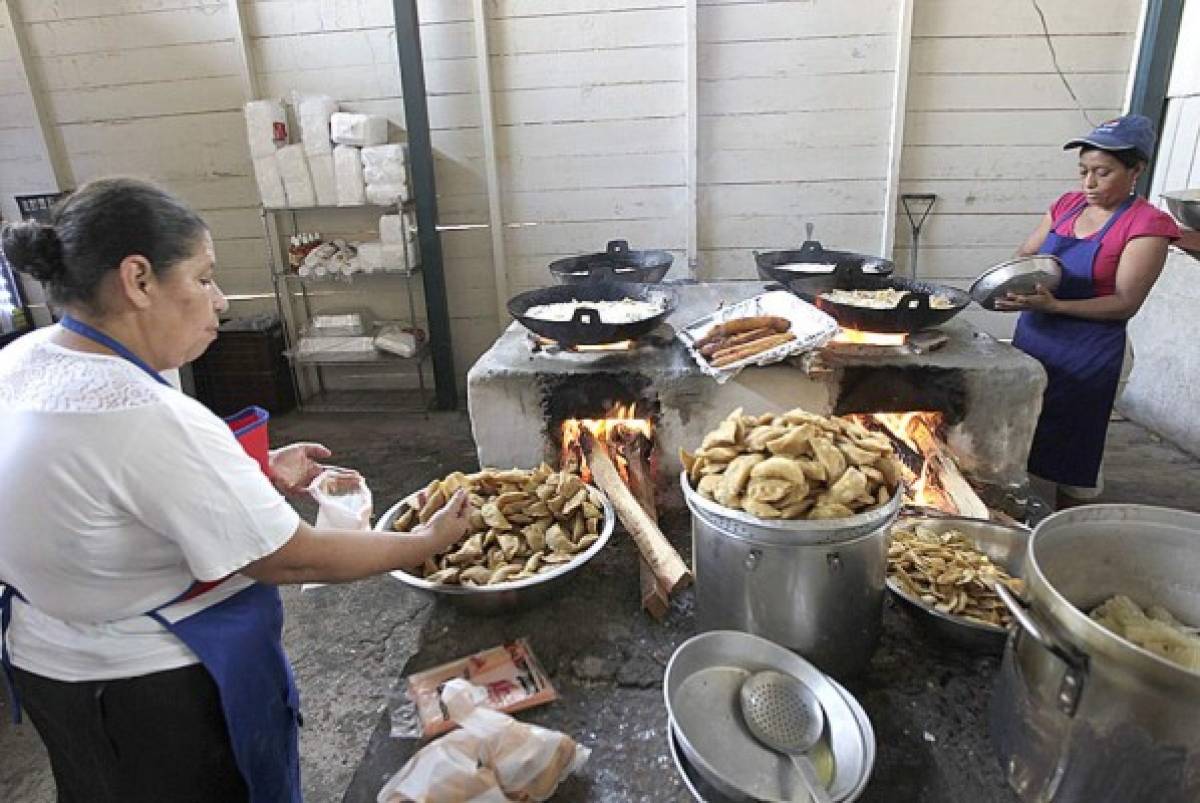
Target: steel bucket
<point x="815" y="587"/>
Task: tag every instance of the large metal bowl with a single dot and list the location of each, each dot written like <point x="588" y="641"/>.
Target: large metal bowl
<point x="503" y="597"/>
<point x="1021" y="276"/>
<point x="1004" y="545"/>
<point x="1184" y="205"/>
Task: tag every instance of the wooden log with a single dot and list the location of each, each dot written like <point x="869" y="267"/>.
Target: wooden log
<point x="636" y="451"/>
<point x="669" y="569"/>
<point x="943" y="472"/>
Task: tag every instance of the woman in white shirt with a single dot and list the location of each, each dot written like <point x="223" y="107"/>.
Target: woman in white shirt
<point x="141" y="546"/>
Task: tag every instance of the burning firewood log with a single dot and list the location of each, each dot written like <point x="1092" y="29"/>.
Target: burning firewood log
<point x="636" y="452"/>
<point x="669" y="569"/>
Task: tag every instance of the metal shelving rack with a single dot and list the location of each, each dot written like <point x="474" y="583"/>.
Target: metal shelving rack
<point x="308" y="370"/>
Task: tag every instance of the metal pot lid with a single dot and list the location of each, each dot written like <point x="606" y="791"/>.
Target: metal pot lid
<point x="701" y="688"/>
<point x="1078" y="558"/>
<point x="790" y="532"/>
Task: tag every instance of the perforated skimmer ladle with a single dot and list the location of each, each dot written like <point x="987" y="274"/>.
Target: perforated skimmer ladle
<point x="786" y="716"/>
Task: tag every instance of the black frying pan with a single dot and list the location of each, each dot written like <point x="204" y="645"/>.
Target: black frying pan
<point x="912" y="314"/>
<point x="586" y="329"/>
<point x="615" y="264"/>
<point x="846" y="266"/>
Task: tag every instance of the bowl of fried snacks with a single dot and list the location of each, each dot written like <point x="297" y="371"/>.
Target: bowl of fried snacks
<point x="529" y="531"/>
<point x="944" y="571"/>
<point x="794" y="465"/>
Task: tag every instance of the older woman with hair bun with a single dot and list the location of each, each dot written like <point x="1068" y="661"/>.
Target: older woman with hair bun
<point x="141" y="546"/>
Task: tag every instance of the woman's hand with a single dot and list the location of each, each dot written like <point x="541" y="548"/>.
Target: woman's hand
<point x="448" y="525"/>
<point x="294" y="467"/>
<point x="1042" y="300"/>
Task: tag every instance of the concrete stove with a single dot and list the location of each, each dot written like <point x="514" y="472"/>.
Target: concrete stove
<point x="990" y="393"/>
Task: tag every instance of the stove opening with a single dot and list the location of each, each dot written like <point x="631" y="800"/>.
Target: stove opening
<point x="932" y="477"/>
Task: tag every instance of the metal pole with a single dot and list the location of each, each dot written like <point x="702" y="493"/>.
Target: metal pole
<point x="420" y="156"/>
<point x="1160" y="34"/>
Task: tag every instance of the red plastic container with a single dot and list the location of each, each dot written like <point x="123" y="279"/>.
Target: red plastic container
<point x="250" y="428"/>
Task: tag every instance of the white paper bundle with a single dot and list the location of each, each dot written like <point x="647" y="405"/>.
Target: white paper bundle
<point x="324" y="183"/>
<point x="385" y="164"/>
<point x="314" y="112"/>
<point x="266" y="127"/>
<point x="297" y="181"/>
<point x="347" y="169"/>
<point x="346" y="128"/>
<point x="391" y="229"/>
<point x="387" y="194"/>
<point x="270" y="182"/>
<point x="370" y="256"/>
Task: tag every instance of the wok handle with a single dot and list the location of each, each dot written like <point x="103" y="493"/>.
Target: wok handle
<point x="586" y="317"/>
<point x="1072" y="683"/>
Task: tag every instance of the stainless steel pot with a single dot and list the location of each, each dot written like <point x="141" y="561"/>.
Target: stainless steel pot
<point x="1079" y="714"/>
<point x="815" y="587"/>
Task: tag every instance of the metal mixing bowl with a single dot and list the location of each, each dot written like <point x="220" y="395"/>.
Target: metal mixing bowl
<point x="1021" y="276"/>
<point x="1004" y="545"/>
<point x="1184" y="205"/>
<point x="502" y="597"/>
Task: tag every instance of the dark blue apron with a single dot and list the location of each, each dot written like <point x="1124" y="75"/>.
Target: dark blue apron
<point x="239" y="641"/>
<point x="1082" y="359"/>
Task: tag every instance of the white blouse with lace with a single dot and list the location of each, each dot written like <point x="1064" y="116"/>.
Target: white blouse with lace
<point x="116" y="493"/>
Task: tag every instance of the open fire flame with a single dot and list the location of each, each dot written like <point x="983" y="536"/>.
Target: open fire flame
<point x="860" y="338"/>
<point x="931" y="476"/>
<point x="622" y="425"/>
<point x="619" y="345"/>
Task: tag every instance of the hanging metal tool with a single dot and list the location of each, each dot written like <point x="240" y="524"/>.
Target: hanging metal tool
<point x="916" y="199"/>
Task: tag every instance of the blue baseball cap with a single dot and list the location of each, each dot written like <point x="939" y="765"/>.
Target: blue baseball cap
<point x="1131" y="132"/>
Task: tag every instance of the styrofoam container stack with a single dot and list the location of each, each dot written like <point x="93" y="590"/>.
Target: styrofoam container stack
<point x="360" y="130"/>
<point x="297" y="181"/>
<point x="348" y="173"/>
<point x="266" y="133"/>
<point x="314" y="113"/>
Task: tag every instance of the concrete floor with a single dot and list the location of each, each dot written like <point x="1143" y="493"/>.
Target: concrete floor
<point x="349" y="643"/>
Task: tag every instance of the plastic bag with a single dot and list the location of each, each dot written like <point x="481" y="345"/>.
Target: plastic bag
<point x="344" y="498"/>
<point x="491" y="757"/>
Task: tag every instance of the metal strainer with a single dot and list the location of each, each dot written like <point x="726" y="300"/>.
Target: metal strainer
<point x="786" y="716"/>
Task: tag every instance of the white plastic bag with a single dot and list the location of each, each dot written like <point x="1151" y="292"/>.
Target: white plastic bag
<point x="492" y="757"/>
<point x="344" y="498"/>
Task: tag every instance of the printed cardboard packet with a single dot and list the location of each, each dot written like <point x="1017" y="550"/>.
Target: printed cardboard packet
<point x="510" y="673"/>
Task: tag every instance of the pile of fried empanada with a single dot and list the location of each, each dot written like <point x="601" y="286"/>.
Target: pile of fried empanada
<point x="523" y="523"/>
<point x="797" y="465"/>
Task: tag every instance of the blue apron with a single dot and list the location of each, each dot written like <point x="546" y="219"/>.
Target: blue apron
<point x="239" y="641"/>
<point x="1082" y="359"/>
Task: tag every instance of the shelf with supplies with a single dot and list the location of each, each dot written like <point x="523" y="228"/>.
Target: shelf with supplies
<point x="393" y="273"/>
<point x="350" y="254"/>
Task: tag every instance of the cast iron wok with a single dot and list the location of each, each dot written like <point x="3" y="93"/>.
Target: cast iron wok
<point x="615" y="264"/>
<point x="586" y="328"/>
<point x="912" y="314"/>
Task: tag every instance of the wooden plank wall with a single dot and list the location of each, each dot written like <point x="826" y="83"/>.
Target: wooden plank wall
<point x="987" y="116"/>
<point x="590" y="101"/>
<point x="795" y="108"/>
<point x="590" y="107"/>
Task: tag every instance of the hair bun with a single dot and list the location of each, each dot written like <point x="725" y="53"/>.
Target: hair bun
<point x="34" y="248"/>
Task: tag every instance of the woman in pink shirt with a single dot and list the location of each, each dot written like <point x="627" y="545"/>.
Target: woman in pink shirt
<point x="1112" y="245"/>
